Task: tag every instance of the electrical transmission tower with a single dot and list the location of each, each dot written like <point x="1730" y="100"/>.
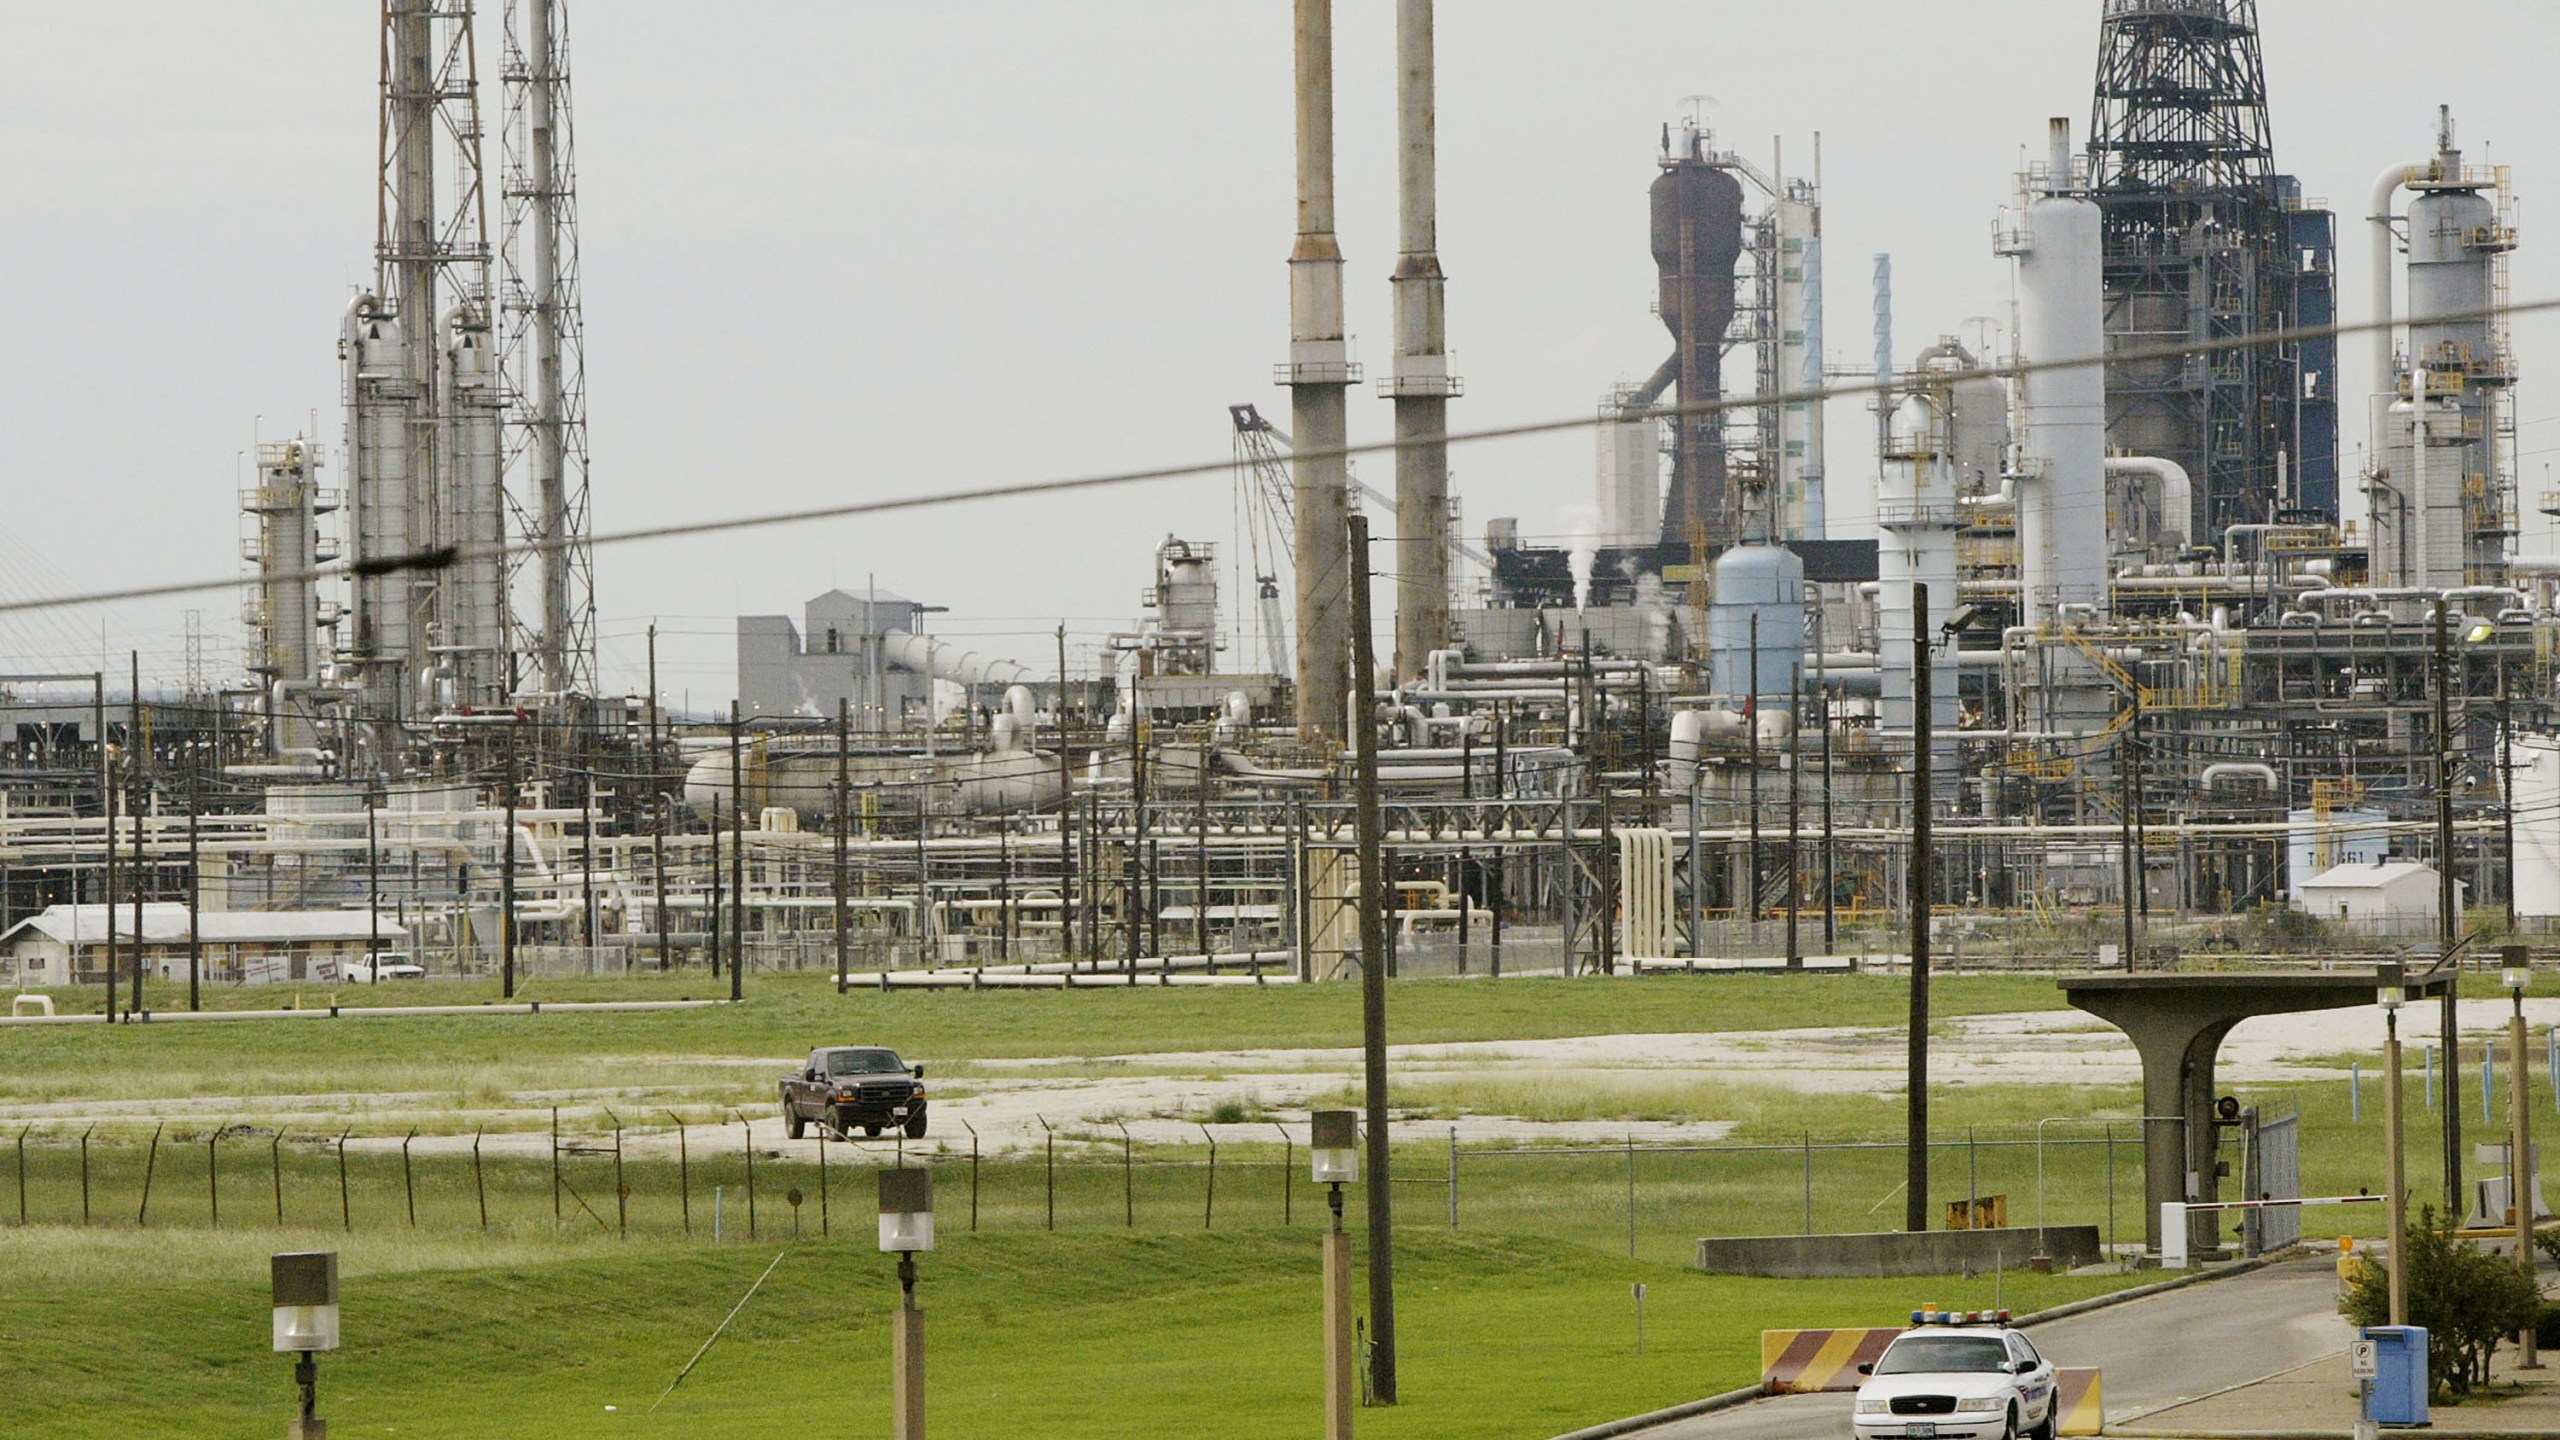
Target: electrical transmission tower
<point x="544" y="359"/>
<point x="2201" y="236"/>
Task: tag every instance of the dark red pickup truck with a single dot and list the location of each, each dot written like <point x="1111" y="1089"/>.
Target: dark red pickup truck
<point x="845" y="1086"/>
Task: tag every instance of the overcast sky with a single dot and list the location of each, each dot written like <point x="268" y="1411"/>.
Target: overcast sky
<point x="847" y="250"/>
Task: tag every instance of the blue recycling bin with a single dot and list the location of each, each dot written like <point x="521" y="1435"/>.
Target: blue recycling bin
<point x="2400" y="1378"/>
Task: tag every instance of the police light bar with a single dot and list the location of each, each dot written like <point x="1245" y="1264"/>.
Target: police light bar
<point x="1932" y="1315"/>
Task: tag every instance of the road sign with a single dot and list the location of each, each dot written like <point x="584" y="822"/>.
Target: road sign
<point x="2364" y="1360"/>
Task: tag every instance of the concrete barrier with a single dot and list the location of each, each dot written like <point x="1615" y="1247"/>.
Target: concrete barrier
<point x="2076" y="1408"/>
<point x="1801" y="1362"/>
<point x="1896" y="1253"/>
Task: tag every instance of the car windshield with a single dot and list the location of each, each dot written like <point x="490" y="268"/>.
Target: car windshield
<point x="1942" y="1354"/>
<point x="863" y="1062"/>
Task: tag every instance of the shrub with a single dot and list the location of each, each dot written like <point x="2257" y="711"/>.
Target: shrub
<point x="2466" y="1299"/>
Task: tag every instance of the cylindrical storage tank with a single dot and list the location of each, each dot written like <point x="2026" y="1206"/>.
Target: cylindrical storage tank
<point x="2062" y="498"/>
<point x="2449" y="274"/>
<point x="1763" y="583"/>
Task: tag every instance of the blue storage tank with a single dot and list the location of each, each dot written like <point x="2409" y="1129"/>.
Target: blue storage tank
<point x="1766" y="581"/>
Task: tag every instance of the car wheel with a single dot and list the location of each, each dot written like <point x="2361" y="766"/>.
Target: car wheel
<point x="2051" y="1421"/>
<point x="793" y="1121"/>
<point x="2011" y="1429"/>
<point x="915" y="1123"/>
<point x="871" y="1130"/>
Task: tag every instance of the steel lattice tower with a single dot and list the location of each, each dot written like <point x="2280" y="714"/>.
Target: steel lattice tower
<point x="544" y="360"/>
<point x="422" y="392"/>
<point x="2200" y="245"/>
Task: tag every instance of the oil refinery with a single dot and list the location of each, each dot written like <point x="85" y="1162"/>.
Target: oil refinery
<point x="2116" y="643"/>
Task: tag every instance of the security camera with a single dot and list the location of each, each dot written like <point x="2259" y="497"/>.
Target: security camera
<point x="1960" y="619"/>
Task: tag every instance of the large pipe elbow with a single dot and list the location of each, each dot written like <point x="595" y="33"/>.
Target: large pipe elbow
<point x="2177" y="491"/>
<point x="2379" y="216"/>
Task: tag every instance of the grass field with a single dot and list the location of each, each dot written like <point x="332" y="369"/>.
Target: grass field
<point x="784" y="1016"/>
<point x="1516" y="1323"/>
<point x="1071" y="1335"/>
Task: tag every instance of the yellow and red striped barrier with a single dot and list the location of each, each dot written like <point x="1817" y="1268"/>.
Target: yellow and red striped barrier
<point x="1802" y="1361"/>
<point x="2075" y="1403"/>
<point x="1805" y="1361"/>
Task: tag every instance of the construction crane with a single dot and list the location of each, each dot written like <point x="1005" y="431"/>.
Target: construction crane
<point x="1262" y="478"/>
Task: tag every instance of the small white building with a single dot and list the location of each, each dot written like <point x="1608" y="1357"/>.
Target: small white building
<point x="2385" y="895"/>
<point x="67" y="944"/>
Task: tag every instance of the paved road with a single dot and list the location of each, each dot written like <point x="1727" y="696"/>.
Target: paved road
<point x="2156" y="1352"/>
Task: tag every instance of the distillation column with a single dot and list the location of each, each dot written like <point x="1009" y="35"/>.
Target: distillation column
<point x="2061" y="480"/>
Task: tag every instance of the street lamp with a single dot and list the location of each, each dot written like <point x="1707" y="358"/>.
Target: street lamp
<point x="906" y="1227"/>
<point x="2391" y="993"/>
<point x="306" y="1322"/>
<point x="2516" y="973"/>
<point x="1334" y="1156"/>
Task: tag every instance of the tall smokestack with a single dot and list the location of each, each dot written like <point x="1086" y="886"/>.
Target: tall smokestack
<point x="1421" y="384"/>
<point x="1318" y="373"/>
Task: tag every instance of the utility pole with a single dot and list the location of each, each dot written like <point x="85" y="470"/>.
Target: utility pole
<point x="1066" y="812"/>
<point x="2449" y="918"/>
<point x="1373" y="975"/>
<point x="107" y="820"/>
<point x="1822" y="681"/>
<point x="1915" y="1200"/>
<point x="1751" y="736"/>
<point x="844" y="824"/>
<point x="195" y="888"/>
<point x="2507" y="794"/>
<point x="1795" y="826"/>
<point x="139" y="744"/>
<point x="737" y="852"/>
<point x="507" y="880"/>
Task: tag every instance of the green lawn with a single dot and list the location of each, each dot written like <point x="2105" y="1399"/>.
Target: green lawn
<point x="787" y="1015"/>
<point x="1097" y="1335"/>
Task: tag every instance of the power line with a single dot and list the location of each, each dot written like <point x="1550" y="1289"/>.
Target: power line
<point x="439" y="558"/>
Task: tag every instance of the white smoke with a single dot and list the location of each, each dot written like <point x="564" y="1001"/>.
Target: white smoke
<point x="1580" y="525"/>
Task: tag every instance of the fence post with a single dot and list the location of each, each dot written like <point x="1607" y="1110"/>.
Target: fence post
<point x="479" y="1186"/>
<point x="973" y="1174"/>
<point x="275" y="1169"/>
<point x="555" y="1167"/>
<point x="621" y="1192"/>
<point x="84" y="1172"/>
<point x="22" y="1173"/>
<point x="1808" y="1182"/>
<point x="1453" y="1177"/>
<point x="2111" y="1189"/>
<point x="1631" y="1195"/>
<point x="1288" y="1170"/>
<point x="1209" y="1207"/>
<point x="346" y="1206"/>
<point x="824" y="1229"/>
<point x="749" y="1126"/>
<point x="2355" y="1091"/>
<point x="1128" y="1179"/>
<point x="684" y="1172"/>
<point x="1052" y="1143"/>
<point x="408" y="1179"/>
<point x="150" y="1167"/>
<point x="213" y="1174"/>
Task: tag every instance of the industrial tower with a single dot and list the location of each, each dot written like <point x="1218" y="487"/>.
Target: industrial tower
<point x="424" y="403"/>
<point x="2204" y="242"/>
<point x="544" y="359"/>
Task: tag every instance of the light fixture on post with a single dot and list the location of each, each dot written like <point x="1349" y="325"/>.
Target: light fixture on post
<point x="1334" y="1157"/>
<point x="2515" y="972"/>
<point x="306" y="1322"/>
<point x="906" y="1227"/>
<point x="2391" y="992"/>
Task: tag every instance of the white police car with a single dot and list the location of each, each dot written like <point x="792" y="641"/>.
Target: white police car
<point x="1957" y="1376"/>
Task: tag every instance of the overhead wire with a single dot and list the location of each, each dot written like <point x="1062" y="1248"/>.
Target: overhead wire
<point x="442" y="557"/>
